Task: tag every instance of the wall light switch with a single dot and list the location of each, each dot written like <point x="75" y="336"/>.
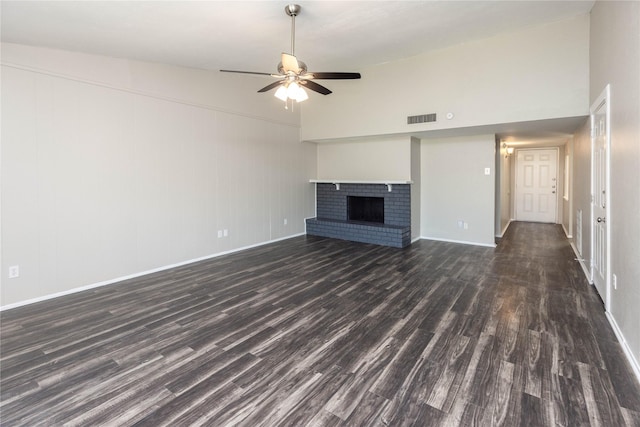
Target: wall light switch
<point x="219" y="234"/>
<point x="226" y="232"/>
<point x="285" y="221"/>
<point x="487" y="171"/>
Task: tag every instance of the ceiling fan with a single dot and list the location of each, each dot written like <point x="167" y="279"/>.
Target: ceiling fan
<point x="293" y="75"/>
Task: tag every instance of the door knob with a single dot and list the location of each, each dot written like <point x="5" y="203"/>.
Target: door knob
<point x="600" y="219"/>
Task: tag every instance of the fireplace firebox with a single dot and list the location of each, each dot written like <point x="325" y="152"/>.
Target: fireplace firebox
<point x="365" y="209"/>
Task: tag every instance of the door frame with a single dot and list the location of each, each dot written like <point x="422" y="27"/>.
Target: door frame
<point x="604" y="98"/>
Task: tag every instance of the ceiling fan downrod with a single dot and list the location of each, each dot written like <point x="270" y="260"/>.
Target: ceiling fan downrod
<point x="293" y="10"/>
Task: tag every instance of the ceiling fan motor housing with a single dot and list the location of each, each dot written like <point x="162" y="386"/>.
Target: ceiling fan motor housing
<point x="302" y="68"/>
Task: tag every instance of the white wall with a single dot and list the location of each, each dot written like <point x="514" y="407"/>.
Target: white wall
<point x="535" y="73"/>
<point x="232" y="93"/>
<point x="568" y="216"/>
<point x="111" y="168"/>
<point x="503" y="189"/>
<point x="560" y="186"/>
<point x="615" y="60"/>
<point x="454" y="188"/>
<point x="416" y="176"/>
<point x="372" y="160"/>
<point x="581" y="153"/>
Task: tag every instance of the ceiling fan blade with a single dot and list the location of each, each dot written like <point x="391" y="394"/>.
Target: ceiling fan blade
<point x="290" y="63"/>
<point x="315" y="87"/>
<point x="250" y="72"/>
<point x="271" y="86"/>
<point x="331" y="76"/>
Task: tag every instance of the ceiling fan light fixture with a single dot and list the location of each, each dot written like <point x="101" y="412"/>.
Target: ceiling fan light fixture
<point x="281" y="93"/>
<point x="294" y="91"/>
<point x="302" y="95"/>
<point x="291" y="91"/>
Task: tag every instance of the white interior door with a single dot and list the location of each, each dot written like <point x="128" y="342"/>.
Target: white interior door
<point x="537" y="185"/>
<point x="599" y="180"/>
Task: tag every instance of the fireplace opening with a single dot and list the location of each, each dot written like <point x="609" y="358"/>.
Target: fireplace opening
<point x="367" y="209"/>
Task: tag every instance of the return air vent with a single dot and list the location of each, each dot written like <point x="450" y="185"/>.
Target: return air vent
<point x="424" y="118"/>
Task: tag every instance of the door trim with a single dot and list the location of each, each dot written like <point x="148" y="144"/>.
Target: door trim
<point x="604" y="98"/>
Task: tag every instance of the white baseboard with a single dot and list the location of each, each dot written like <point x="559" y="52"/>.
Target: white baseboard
<point x="566" y="233"/>
<point x="579" y="258"/>
<point x="134" y="275"/>
<point x="462" y="242"/>
<point x="612" y="321"/>
<point x="625" y="347"/>
<point x="504" y="230"/>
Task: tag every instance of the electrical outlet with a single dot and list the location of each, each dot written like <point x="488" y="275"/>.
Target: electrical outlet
<point x="14" y="271"/>
<point x="285" y="221"/>
<point x="466" y="225"/>
<point x="219" y="234"/>
<point x="615" y="282"/>
<point x="460" y="223"/>
<point x="225" y="232"/>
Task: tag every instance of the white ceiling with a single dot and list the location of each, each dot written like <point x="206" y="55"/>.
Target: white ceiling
<point x="250" y="35"/>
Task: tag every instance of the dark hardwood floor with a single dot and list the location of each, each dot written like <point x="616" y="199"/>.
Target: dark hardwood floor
<point x="322" y="332"/>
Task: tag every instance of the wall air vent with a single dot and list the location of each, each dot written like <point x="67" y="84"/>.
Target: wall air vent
<point x="423" y="118"/>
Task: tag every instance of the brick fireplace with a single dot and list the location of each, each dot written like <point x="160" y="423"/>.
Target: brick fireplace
<point x="333" y="217"/>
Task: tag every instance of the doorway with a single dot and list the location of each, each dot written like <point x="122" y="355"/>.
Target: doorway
<point x="600" y="143"/>
<point x="537" y="185"/>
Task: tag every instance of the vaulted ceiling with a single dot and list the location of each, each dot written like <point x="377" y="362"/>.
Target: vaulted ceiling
<point x="250" y="35"/>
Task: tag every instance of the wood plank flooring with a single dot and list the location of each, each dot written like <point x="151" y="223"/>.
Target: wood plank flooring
<point x="322" y="332"/>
